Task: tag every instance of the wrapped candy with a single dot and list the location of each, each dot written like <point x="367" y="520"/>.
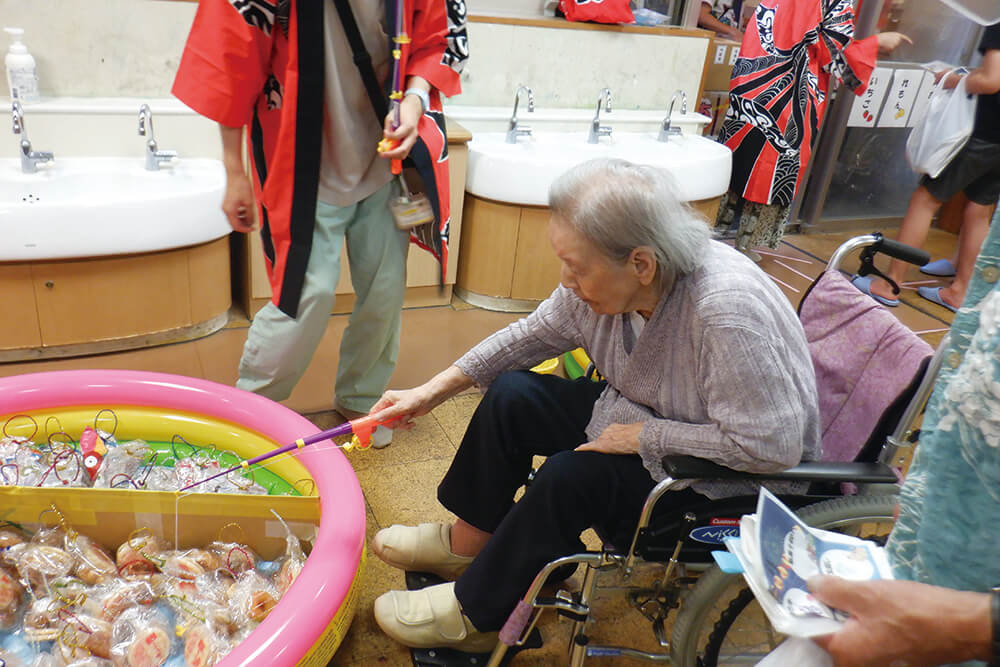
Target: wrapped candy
<point x="40" y="620"/>
<point x="30" y="464"/>
<point x="83" y="638"/>
<point x="194" y="606"/>
<point x="160" y="478"/>
<point x="92" y="661"/>
<point x="87" y="609"/>
<point x="236" y="558"/>
<point x="63" y="466"/>
<point x="181" y="566"/>
<point x="140" y="638"/>
<point x="72" y="592"/>
<point x="293" y="561"/>
<point x="122" y="463"/>
<point x="94" y="565"/>
<point x="203" y="646"/>
<point x="139" y="555"/>
<point x="10" y="536"/>
<point x="209" y="561"/>
<point x="11" y="596"/>
<point x="251" y="598"/>
<point x="118" y="596"/>
<point x="38" y="564"/>
<point x="194" y="468"/>
<point x="51" y="536"/>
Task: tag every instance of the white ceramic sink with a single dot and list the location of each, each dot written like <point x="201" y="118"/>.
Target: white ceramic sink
<point x="90" y="207"/>
<point x="521" y="173"/>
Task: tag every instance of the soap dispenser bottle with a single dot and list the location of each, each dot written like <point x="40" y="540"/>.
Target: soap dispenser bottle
<point x="22" y="79"/>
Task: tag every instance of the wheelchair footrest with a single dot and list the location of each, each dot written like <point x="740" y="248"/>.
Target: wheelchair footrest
<point x="449" y="657"/>
<point x="417" y="580"/>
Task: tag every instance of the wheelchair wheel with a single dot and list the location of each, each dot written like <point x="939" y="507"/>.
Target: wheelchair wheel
<point x="720" y="622"/>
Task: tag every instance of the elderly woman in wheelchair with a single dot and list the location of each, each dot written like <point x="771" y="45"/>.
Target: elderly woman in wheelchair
<point x="700" y="353"/>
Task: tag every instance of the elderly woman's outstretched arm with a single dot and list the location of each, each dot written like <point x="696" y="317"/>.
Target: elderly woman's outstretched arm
<point x="550" y="330"/>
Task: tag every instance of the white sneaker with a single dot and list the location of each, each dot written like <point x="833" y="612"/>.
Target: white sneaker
<point x="381" y="437"/>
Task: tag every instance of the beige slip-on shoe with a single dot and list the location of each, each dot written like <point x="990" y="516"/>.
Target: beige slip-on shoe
<point x="423" y="548"/>
<point x="430" y="618"/>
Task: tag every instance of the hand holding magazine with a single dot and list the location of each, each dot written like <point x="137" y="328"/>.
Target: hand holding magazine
<point x="779" y="553"/>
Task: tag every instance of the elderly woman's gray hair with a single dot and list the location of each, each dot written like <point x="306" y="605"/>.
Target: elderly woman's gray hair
<point x="620" y="206"/>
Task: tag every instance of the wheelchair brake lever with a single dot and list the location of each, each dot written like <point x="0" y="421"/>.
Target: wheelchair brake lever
<point x="868" y="265"/>
<point x="687" y="525"/>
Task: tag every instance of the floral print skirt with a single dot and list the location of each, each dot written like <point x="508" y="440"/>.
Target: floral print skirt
<point x="751" y="224"/>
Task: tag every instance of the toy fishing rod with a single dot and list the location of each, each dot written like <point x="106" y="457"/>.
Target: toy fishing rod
<point x="362" y="428"/>
<point x="396" y="96"/>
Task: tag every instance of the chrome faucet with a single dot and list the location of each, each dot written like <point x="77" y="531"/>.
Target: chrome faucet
<point x="596" y="129"/>
<point x="513" y="131"/>
<point x="666" y="131"/>
<point x="29" y="159"/>
<point x="154" y="157"/>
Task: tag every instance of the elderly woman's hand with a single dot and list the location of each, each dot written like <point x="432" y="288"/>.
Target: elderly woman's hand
<point x="616" y="439"/>
<point x="402" y="407"/>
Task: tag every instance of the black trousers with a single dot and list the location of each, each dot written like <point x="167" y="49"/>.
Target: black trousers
<point x="524" y="414"/>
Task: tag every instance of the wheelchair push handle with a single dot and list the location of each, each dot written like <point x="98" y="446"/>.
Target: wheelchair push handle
<point x="903" y="252"/>
<point x="900" y="251"/>
<point x="870" y="245"/>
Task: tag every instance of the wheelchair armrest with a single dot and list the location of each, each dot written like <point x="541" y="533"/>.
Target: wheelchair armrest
<point x="690" y="467"/>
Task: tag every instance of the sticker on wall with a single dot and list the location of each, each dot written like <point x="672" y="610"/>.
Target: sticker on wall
<point x="866" y="106"/>
<point x="901" y="96"/>
<point x="923" y="97"/>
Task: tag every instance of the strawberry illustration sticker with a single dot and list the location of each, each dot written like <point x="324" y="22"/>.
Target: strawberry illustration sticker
<point x="93" y="449"/>
<point x="866" y="106"/>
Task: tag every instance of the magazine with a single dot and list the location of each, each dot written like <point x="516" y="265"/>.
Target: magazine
<point x="779" y="553"/>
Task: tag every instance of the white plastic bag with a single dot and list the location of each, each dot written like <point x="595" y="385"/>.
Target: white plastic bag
<point x="942" y="132"/>
<point x="983" y="12"/>
<point x="797" y="651"/>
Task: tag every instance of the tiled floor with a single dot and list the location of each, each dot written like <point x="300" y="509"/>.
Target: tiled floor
<point x="399" y="482"/>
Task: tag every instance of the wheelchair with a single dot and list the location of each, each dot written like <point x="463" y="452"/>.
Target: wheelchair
<point x="855" y="344"/>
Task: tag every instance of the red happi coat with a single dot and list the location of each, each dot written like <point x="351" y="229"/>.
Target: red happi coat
<point x="779" y="87"/>
<point x="246" y="63"/>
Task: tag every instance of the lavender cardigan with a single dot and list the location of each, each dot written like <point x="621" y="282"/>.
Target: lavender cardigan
<point x="720" y="371"/>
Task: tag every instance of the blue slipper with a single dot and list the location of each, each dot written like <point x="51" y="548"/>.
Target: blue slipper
<point x="864" y="284"/>
<point x="933" y="294"/>
<point x="939" y="267"/>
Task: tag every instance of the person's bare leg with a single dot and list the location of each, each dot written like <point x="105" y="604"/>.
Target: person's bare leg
<point x="913" y="232"/>
<point x="467" y="540"/>
<point x="975" y="226"/>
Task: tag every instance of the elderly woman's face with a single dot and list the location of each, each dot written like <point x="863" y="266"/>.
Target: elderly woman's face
<point x="608" y="287"/>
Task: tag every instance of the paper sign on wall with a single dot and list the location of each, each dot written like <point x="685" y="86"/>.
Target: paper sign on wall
<point x="923" y="97"/>
<point x="865" y="109"/>
<point x="901" y="95"/>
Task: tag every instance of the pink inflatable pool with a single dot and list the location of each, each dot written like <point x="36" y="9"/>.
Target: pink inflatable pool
<point x="308" y="623"/>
